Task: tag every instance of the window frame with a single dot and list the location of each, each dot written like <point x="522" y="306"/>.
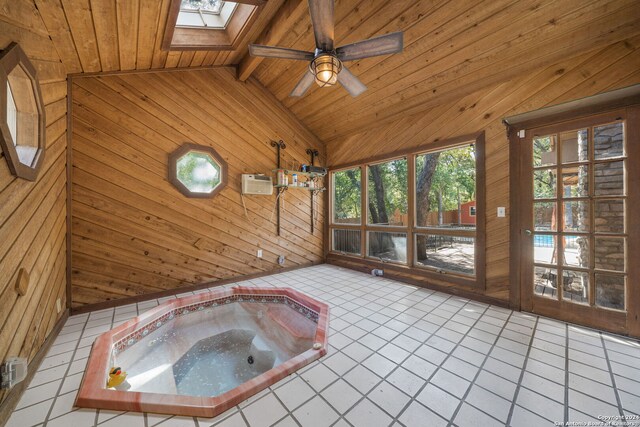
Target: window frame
<point x="410" y="267"/>
<point x="173" y="173"/>
<point x="211" y="38"/>
<point x="13" y="57"/>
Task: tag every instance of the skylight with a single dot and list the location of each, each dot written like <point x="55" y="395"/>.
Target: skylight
<point x="205" y="13"/>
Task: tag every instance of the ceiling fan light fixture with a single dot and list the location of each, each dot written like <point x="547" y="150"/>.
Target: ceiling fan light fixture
<point x="325" y="68"/>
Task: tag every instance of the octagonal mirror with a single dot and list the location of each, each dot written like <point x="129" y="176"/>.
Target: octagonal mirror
<point x="22" y="121"/>
<point x="197" y="170"/>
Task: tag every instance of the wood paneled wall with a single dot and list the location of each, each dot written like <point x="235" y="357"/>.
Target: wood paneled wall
<point x="609" y="68"/>
<point x="133" y="232"/>
<point x="32" y="214"/>
<point x="114" y="35"/>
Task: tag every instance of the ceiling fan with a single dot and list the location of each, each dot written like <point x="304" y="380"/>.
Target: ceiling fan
<point x="326" y="63"/>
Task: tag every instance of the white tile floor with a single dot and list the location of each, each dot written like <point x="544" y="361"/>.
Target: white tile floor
<point x="400" y="356"/>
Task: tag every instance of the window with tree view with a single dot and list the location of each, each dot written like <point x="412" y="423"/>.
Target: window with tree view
<point x="422" y="210"/>
<point x="445" y="194"/>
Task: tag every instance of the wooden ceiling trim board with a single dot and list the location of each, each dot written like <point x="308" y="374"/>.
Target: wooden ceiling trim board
<point x="148" y="27"/>
<point x="282" y="21"/>
<point x="470" y="82"/>
<point x="186" y="58"/>
<point x="127" y="13"/>
<point x="159" y="55"/>
<point x="448" y="65"/>
<point x="80" y="20"/>
<point x="104" y="22"/>
<point x="55" y="21"/>
<point x="269" y="9"/>
<point x="450" y="20"/>
<point x="198" y="58"/>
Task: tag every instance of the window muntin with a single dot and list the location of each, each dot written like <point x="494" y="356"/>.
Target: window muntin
<point x="452" y="249"/>
<point x="347" y="196"/>
<point x="387" y="190"/>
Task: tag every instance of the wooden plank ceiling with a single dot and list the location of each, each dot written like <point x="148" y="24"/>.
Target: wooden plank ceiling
<point x="452" y="47"/>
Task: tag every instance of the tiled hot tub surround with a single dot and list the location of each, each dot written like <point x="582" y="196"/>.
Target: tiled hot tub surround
<point x="94" y="394"/>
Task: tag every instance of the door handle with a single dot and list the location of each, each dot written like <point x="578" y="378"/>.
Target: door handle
<point x="527" y="232"/>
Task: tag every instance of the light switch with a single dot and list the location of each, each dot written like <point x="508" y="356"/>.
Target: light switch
<point x="501" y="212"/>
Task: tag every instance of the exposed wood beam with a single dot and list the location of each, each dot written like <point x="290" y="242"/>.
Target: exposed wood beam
<point x="282" y="22"/>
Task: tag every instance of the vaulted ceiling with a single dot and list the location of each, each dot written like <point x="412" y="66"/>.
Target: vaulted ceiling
<point x="452" y="47"/>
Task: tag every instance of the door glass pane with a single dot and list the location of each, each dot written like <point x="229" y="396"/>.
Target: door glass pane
<point x="446" y="188"/>
<point x="610" y="291"/>
<point x="544" y="248"/>
<point x="609" y="253"/>
<point x="609" y="216"/>
<point x="347" y="196"/>
<point x="576" y="251"/>
<point x="387" y="193"/>
<point x="388" y="246"/>
<point x="608" y="141"/>
<point x="576" y="287"/>
<point x="576" y="216"/>
<point x="544" y="184"/>
<point x="575" y="146"/>
<point x="452" y="253"/>
<point x="575" y="181"/>
<point x="544" y="216"/>
<point x="544" y="150"/>
<point x="609" y="179"/>
<point x="544" y="282"/>
<point x="347" y="241"/>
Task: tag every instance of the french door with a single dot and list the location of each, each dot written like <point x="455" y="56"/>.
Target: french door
<point x="579" y="223"/>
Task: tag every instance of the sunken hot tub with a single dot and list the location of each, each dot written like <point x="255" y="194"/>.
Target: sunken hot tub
<point x="203" y="354"/>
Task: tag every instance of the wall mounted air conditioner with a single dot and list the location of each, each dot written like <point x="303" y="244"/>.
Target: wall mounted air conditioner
<point x="257" y="184"/>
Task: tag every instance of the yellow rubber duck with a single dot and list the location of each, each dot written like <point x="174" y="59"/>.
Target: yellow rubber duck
<point x="116" y="377"/>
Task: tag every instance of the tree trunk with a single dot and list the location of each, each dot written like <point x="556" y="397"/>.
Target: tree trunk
<point x="423" y="186"/>
<point x="440" y="213"/>
<point x="351" y="174"/>
<point x="378" y="186"/>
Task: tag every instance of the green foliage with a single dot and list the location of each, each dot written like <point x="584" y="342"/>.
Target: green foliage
<point x="394" y="176"/>
<point x="209" y="5"/>
<point x="346" y="202"/>
<point x="455" y="173"/>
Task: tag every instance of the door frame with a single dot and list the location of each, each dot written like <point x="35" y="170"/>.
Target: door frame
<point x="627" y="99"/>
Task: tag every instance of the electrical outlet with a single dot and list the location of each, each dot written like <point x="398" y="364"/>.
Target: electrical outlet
<point x="501" y="212"/>
<point x="58" y="305"/>
<point x="259" y="253"/>
<point x="281" y="260"/>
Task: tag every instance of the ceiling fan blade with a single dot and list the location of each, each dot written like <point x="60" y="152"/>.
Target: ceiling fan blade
<point x="279" y="52"/>
<point x="303" y="85"/>
<point x="351" y="83"/>
<point x="322" y="19"/>
<point x="382" y="45"/>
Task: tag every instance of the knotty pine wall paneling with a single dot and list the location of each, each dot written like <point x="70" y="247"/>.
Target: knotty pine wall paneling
<point x="605" y="69"/>
<point x="32" y="214"/>
<point x="133" y="233"/>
